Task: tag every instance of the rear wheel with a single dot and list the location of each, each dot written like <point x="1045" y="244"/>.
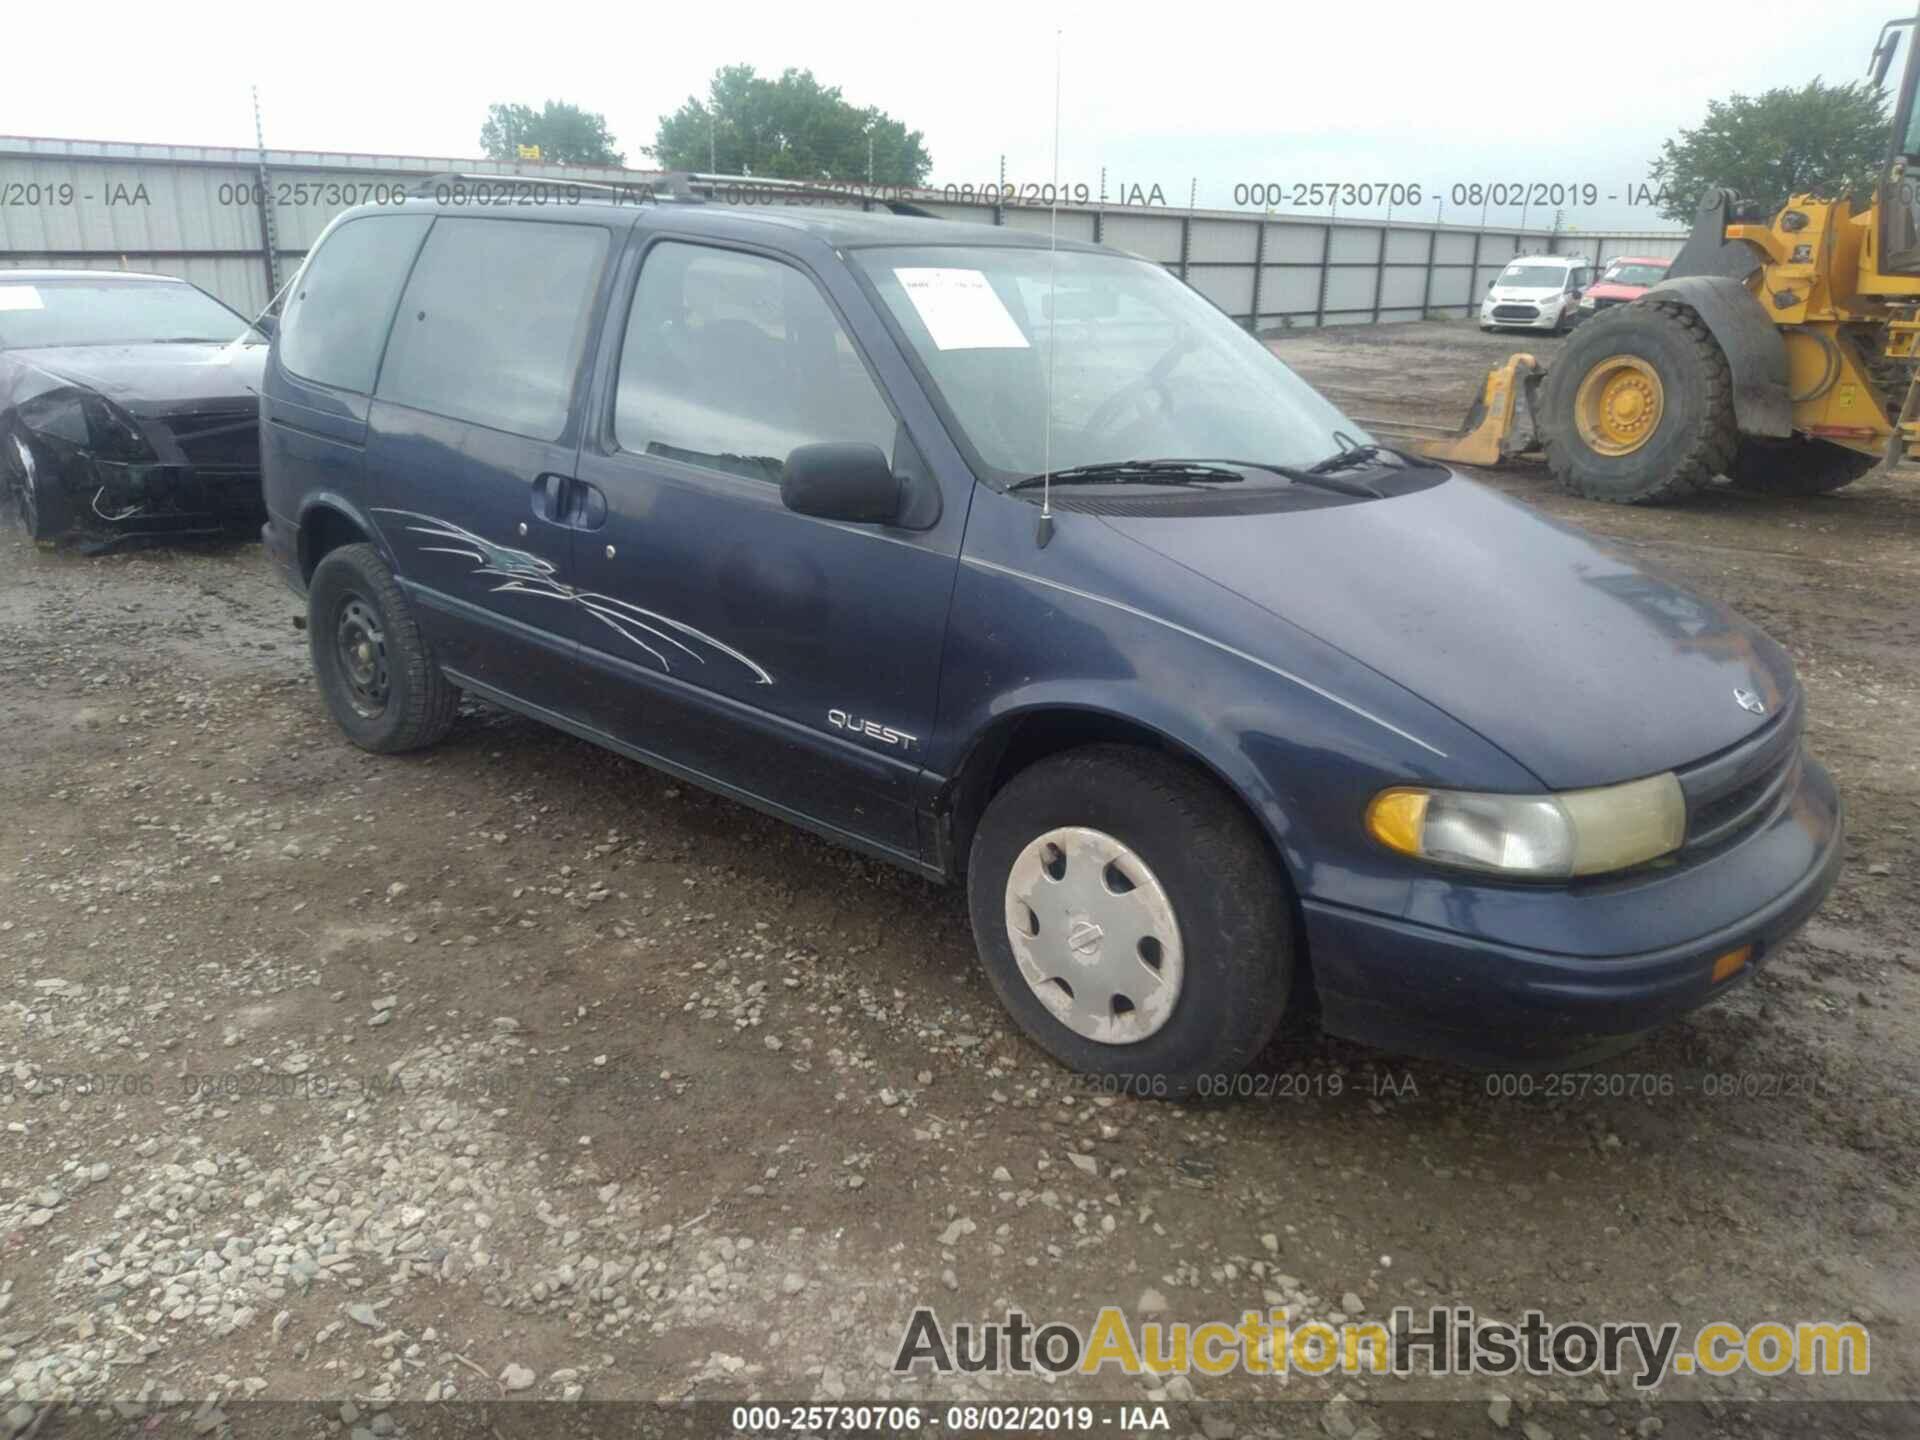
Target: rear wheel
<point x="1796" y="466"/>
<point x="374" y="668"/>
<point x="33" y="494"/>
<point x="1639" y="407"/>
<point x="1129" y="916"/>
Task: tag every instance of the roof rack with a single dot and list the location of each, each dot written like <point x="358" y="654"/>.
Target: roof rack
<point x="697" y="186"/>
<point x="687" y="187"/>
<point x="621" y="191"/>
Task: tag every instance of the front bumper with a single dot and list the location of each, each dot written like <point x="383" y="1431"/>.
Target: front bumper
<point x="106" y="501"/>
<point x="1520" y="315"/>
<point x="1449" y="994"/>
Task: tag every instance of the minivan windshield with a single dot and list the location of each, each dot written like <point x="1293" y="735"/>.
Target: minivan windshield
<point x="44" y="312"/>
<point x="1533" y="277"/>
<point x="1141" y="366"/>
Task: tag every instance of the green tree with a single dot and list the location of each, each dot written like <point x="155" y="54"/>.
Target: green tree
<point x="1824" y="140"/>
<point x="792" y="128"/>
<point x="566" y="134"/>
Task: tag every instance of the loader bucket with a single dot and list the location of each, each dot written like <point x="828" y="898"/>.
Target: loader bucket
<point x="1502" y="424"/>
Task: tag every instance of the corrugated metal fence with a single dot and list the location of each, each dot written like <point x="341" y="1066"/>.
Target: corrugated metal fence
<point x="205" y="213"/>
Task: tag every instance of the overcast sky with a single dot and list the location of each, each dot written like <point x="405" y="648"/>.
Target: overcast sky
<point x="1426" y="93"/>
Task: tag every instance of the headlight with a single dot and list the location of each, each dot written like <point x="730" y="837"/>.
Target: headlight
<point x="1586" y="302"/>
<point x="87" y="422"/>
<point x="1572" y="832"/>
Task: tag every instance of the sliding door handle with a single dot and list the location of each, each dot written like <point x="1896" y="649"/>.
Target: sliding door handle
<point x="588" y="510"/>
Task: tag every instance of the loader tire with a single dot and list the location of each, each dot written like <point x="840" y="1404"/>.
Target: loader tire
<point x="1797" y="466"/>
<point x="1639" y="407"/>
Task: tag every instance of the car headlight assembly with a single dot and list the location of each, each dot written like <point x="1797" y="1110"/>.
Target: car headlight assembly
<point x="87" y="422"/>
<point x="1540" y="837"/>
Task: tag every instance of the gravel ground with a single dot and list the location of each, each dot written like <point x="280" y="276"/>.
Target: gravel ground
<point x="515" y="1069"/>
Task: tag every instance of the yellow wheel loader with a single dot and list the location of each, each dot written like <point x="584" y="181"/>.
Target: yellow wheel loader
<point x="1779" y="351"/>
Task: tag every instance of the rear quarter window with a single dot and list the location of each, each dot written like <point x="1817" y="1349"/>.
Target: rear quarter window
<point x="493" y="322"/>
<point x="336" y="320"/>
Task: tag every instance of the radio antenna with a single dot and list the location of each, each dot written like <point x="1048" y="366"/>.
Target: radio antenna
<point x="1044" y="531"/>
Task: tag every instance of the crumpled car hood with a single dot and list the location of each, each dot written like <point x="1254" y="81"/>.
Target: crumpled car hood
<point x="1577" y="662"/>
<point x="154" y="379"/>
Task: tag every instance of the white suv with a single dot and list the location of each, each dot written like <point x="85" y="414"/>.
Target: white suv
<point x="1535" y="292"/>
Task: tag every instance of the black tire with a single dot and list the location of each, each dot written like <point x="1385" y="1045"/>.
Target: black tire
<point x="1796" y="466"/>
<point x="1230" y="900"/>
<point x="1695" y="437"/>
<point x="400" y="700"/>
<point x="33" y="496"/>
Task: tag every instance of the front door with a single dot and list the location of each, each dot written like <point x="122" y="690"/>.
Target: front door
<point x="472" y="442"/>
<point x="1899" y="196"/>
<point x="792" y="659"/>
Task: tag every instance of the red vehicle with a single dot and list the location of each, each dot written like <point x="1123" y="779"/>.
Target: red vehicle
<point x="1627" y="277"/>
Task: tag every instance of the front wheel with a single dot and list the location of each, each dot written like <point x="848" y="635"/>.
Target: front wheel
<point x="1639" y="406"/>
<point x="375" y="671"/>
<point x="1796" y="466"/>
<point x="32" y="491"/>
<point x="1130" y="917"/>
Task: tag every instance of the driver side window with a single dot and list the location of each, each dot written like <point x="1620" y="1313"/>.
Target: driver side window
<point x="732" y="360"/>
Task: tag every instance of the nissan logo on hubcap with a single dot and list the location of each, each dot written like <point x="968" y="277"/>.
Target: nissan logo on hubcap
<point x="1084" y="937"/>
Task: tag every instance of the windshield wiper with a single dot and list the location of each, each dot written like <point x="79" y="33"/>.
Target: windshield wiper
<point x="1367" y="455"/>
<point x="1300" y="475"/>
<point x="1135" y="472"/>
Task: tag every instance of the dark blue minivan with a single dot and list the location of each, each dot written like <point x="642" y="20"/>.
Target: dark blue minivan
<point x="1026" y="565"/>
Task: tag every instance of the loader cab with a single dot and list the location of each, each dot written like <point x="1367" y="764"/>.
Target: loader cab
<point x="1898" y="202"/>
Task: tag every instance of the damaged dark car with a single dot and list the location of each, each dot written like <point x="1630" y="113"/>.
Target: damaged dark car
<point x="129" y="408"/>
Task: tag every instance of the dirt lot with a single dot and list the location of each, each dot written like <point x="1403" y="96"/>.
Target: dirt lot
<point x="516" y="1068"/>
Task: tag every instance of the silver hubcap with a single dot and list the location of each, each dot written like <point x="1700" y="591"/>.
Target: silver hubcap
<point x="1094" y="934"/>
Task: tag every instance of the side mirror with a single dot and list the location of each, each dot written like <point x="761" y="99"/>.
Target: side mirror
<point x="841" y="481"/>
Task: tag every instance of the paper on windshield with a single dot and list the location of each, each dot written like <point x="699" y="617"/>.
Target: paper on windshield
<point x="20" y="297"/>
<point x="960" y="309"/>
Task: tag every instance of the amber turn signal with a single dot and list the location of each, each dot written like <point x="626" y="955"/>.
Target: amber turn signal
<point x="1731" y="963"/>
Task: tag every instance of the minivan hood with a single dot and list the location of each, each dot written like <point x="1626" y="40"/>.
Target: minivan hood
<point x="155" y="379"/>
<point x="1580" y="664"/>
<point x="1526" y="293"/>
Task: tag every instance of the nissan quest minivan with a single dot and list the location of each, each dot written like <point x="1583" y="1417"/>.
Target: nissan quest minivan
<point x="1035" y="571"/>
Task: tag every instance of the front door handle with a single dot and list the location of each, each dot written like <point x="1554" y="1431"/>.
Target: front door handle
<point x="550" y="497"/>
